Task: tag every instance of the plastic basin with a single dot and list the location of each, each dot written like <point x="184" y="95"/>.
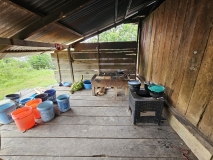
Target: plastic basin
<point x="46" y="110"/>
<point x="5" y="112"/>
<point x="51" y="94"/>
<point x="33" y="104"/>
<point x="43" y="96"/>
<point x="63" y="102"/>
<point x="23" y="118"/>
<point x="25" y="100"/>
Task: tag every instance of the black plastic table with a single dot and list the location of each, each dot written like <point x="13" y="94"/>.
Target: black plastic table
<point x="139" y="104"/>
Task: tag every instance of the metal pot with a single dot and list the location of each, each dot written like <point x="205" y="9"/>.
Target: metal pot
<point x="134" y="85"/>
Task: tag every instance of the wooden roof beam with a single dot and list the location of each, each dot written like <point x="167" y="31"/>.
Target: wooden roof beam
<point x="116" y="10"/>
<point x="18" y="42"/>
<point x="139" y="8"/>
<point x="56" y="15"/>
<point x="68" y="29"/>
<point x="127" y="9"/>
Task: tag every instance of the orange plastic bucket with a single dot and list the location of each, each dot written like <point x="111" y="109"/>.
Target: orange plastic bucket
<point x="34" y="103"/>
<point x="23" y="118"/>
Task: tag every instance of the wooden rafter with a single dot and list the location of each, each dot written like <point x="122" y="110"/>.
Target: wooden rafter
<point x="128" y="7"/>
<point x="18" y="42"/>
<point x="69" y="29"/>
<point x="116" y="10"/>
<point x="58" y="14"/>
<point x="141" y="7"/>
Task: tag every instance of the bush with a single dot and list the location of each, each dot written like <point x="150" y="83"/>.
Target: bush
<point x="41" y="61"/>
<point x="17" y="74"/>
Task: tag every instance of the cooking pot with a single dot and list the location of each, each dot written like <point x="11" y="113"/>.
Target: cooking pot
<point x="134" y="85"/>
<point x="143" y="93"/>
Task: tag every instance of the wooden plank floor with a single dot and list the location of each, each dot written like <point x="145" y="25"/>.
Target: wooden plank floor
<point x="95" y="128"/>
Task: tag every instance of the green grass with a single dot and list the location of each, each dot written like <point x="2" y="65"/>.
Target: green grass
<point x="24" y="78"/>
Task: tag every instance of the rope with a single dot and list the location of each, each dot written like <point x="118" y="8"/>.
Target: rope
<point x="184" y="151"/>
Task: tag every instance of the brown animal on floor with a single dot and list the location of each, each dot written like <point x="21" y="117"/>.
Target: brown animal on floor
<point x="101" y="91"/>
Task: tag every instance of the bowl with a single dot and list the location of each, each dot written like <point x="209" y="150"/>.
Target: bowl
<point x="67" y="84"/>
<point x="156" y="91"/>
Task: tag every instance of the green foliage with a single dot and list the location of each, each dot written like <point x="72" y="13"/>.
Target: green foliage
<point x="123" y="32"/>
<point x="17" y="74"/>
<point x="41" y="61"/>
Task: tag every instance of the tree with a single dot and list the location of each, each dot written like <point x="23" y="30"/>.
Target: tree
<point x="41" y="61"/>
<point x="123" y="32"/>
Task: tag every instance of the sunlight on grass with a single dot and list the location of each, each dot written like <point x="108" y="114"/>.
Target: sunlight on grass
<point x="27" y="79"/>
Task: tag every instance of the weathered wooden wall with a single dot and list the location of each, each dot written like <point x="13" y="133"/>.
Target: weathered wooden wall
<point x="176" y="50"/>
<point x="112" y="56"/>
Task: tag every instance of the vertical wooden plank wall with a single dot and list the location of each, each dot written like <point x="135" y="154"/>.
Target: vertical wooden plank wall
<point x="62" y="68"/>
<point x="176" y="50"/>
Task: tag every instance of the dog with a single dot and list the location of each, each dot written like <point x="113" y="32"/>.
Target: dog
<point x="101" y="91"/>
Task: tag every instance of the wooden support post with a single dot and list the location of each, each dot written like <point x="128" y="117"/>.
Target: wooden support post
<point x="59" y="72"/>
<point x="98" y="56"/>
<point x="138" y="44"/>
<point x="70" y="63"/>
<point x="116" y="91"/>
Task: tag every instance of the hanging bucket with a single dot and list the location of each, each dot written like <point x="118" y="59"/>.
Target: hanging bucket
<point x="23" y="118"/>
<point x="87" y="84"/>
<point x="25" y="100"/>
<point x="5" y="112"/>
<point x="33" y="104"/>
<point x="46" y="110"/>
<point x="51" y="95"/>
<point x="63" y="102"/>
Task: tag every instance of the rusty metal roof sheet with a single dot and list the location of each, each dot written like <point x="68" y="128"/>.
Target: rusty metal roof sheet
<point x="13" y="19"/>
<point x="41" y="7"/>
<point x="53" y="34"/>
<point x="66" y="21"/>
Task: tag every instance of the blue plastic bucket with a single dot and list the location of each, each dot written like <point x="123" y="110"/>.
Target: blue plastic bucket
<point x="5" y="112"/>
<point x="87" y="84"/>
<point x="63" y="102"/>
<point x="51" y="94"/>
<point x="46" y="110"/>
<point x="25" y="100"/>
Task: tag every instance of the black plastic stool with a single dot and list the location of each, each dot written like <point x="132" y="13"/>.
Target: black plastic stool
<point x="139" y="104"/>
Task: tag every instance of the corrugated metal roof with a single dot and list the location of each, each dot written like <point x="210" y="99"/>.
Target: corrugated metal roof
<point x="122" y="6"/>
<point x="53" y="34"/>
<point x="81" y="18"/>
<point x="41" y="7"/>
<point x="13" y="19"/>
<point x="88" y="19"/>
<point x="21" y="48"/>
